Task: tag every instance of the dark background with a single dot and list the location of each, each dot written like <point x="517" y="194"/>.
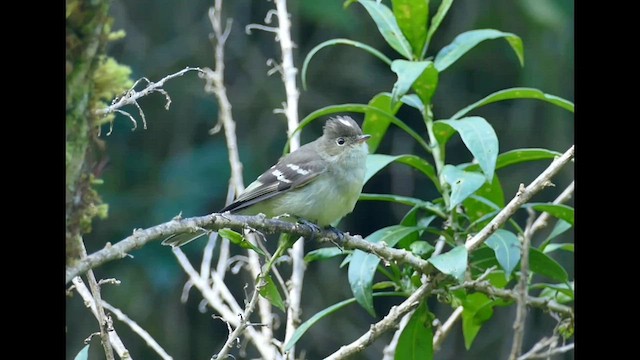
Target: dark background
<point x="176" y="166"/>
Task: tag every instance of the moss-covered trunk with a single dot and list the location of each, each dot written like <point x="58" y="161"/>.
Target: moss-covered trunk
<point x="88" y="29"/>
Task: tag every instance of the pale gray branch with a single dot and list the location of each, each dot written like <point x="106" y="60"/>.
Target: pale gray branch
<point x="520" y="199"/>
<point x="138" y="330"/>
<point x="132" y="96"/>
<point x="446" y="328"/>
<point x="522" y="292"/>
<point x="543" y="219"/>
<point x="90" y="302"/>
<point x="387" y="323"/>
<point x="537" y="302"/>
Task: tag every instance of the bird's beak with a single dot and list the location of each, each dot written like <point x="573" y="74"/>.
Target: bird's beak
<point x="363" y="138"/>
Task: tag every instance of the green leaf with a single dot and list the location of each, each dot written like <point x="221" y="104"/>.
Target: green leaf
<point x="462" y="183"/>
<point x="560" y="227"/>
<point x="426" y="84"/>
<point x="507" y="248"/>
<point x="516" y="93"/>
<point x="388" y="26"/>
<point x="323" y="254"/>
<point x="553" y="247"/>
<point x="414" y="217"/>
<point x="486" y="200"/>
<point x="362" y="266"/>
<point x="480" y="138"/>
<point x="375" y="124"/>
<point x="437" y="19"/>
<point x="482" y="259"/>
<point x="519" y="156"/>
<point x="359" y="108"/>
<point x="421" y="248"/>
<point x="414" y="101"/>
<point x="376" y="162"/>
<point x="559" y="211"/>
<point x="476" y="310"/>
<point x="435" y="209"/>
<point x="561" y="293"/>
<point x="270" y="292"/>
<point x="468" y="40"/>
<point x="83" y="354"/>
<point x="542" y="264"/>
<point x="324" y="313"/>
<point x="408" y="72"/>
<point x="332" y="42"/>
<point x="416" y="339"/>
<point x="453" y="262"/>
<point x="239" y="240"/>
<point x="412" y="17"/>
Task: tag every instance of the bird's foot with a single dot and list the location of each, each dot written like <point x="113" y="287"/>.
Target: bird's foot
<point x="315" y="229"/>
<point x="339" y="234"/>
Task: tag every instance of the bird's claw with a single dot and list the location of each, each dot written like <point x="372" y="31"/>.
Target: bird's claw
<point x="312" y="226"/>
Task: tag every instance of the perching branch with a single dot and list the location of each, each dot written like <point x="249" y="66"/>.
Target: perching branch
<point x="520" y="199"/>
<point x="387" y="323"/>
<point x="216" y="221"/>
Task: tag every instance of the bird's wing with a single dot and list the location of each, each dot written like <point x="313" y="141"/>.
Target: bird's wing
<point x="291" y="172"/>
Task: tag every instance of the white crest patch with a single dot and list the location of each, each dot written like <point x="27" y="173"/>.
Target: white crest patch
<point x="298" y="169"/>
<point x="345" y="122"/>
<point x="280" y="176"/>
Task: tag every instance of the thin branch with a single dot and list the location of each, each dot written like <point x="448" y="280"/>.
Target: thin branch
<point x="521" y="307"/>
<point x="537" y="302"/>
<point x="543" y="219"/>
<point x="138" y="330"/>
<point x="538" y="351"/>
<point x="103" y="320"/>
<point x="216" y="221"/>
<point x="244" y="324"/>
<point x="90" y="302"/>
<point x="132" y="96"/>
<point x="520" y="199"/>
<point x="446" y="328"/>
<point x="215" y="301"/>
<point x="389" y="351"/>
<point x="387" y="323"/>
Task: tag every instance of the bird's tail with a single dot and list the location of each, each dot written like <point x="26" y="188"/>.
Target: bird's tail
<point x="177" y="240"/>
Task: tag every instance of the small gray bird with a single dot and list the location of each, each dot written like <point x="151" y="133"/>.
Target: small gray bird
<point x="320" y="182"/>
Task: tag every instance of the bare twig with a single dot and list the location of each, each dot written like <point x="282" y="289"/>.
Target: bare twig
<point x="138" y="330"/>
<point x="99" y="310"/>
<point x="90" y="302"/>
<point x="538" y="350"/>
<point x="537" y="302"/>
<point x="132" y="96"/>
<point x="521" y="198"/>
<point x="543" y="219"/>
<point x="387" y="323"/>
<point x="244" y="324"/>
<point x="389" y="351"/>
<point x="521" y="307"/>
<point x="445" y="329"/>
<point x="223" y="308"/>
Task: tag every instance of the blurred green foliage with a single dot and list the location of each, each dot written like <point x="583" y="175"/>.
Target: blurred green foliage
<point x="176" y="166"/>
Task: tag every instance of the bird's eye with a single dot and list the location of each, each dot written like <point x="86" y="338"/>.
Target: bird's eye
<point x="340" y="141"/>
